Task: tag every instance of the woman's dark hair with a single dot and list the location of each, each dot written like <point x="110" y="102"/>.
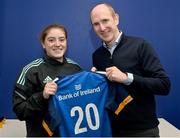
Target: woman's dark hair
<point x="48" y="28"/>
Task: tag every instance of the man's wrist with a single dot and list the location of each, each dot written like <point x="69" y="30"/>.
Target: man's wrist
<point x="129" y="79"/>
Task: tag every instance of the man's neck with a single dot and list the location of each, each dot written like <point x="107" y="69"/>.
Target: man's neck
<point x="109" y="45"/>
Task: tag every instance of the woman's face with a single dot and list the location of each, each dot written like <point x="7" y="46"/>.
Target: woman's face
<point x="55" y="44"/>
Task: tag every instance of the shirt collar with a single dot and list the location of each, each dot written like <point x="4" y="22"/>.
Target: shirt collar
<point x="116" y="41"/>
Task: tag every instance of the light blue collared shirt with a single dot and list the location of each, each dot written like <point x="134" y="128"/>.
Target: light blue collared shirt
<point x="114" y="45"/>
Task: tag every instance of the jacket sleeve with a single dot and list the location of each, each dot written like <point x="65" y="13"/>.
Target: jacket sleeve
<point x="28" y="101"/>
<point x="153" y="78"/>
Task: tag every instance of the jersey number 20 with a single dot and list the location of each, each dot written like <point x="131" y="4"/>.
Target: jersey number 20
<point x="86" y="114"/>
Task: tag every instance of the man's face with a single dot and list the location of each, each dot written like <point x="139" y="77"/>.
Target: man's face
<point x="105" y="23"/>
<point x="55" y="44"/>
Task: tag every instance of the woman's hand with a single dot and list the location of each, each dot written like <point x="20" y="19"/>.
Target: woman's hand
<point x="49" y="89"/>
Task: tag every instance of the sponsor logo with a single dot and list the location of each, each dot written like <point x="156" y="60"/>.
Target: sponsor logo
<point x="77" y="87"/>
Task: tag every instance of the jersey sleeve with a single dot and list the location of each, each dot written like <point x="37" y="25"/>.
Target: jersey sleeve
<point x="118" y="98"/>
<point x="52" y="118"/>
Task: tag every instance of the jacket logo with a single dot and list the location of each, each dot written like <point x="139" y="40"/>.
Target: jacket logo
<point x="47" y="79"/>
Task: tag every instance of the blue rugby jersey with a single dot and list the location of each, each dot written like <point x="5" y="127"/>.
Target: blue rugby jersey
<point x="78" y="107"/>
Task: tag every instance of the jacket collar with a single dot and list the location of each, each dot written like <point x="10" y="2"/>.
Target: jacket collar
<point x="53" y="61"/>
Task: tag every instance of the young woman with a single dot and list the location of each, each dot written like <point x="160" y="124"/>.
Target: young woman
<point x="35" y="82"/>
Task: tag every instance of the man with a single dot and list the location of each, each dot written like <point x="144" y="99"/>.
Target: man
<point x="132" y="62"/>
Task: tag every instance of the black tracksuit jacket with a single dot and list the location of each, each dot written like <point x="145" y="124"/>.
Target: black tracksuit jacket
<point x="28" y="101"/>
<point x="136" y="56"/>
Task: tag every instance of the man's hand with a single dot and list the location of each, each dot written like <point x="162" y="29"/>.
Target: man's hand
<point x="114" y="74"/>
